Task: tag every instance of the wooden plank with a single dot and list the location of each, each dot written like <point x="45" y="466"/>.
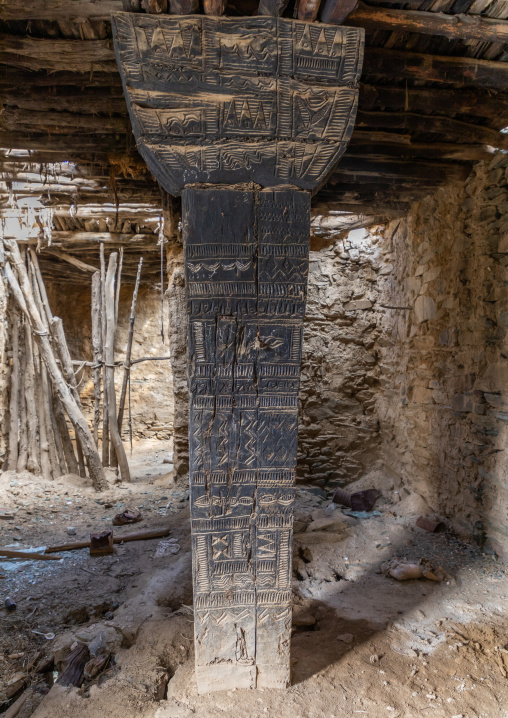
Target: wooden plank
<point x="462" y="71"/>
<point x="453" y="27"/>
<point x="245" y="303"/>
<point x="61" y="9"/>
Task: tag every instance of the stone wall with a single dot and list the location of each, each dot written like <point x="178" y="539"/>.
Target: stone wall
<point x="339" y="426"/>
<point x="443" y="352"/>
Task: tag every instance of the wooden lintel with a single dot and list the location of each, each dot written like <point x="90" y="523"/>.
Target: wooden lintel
<point x="453" y="27"/>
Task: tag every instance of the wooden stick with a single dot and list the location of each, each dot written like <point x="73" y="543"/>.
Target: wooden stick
<point x="58" y="455"/>
<point x="16" y="707"/>
<point x="73" y="411"/>
<point x="135" y="536"/>
<point x="7" y="553"/>
<point x="12" y="461"/>
<point x="128" y="351"/>
<point x="23" y="429"/>
<point x="105" y="413"/>
<point x="97" y="352"/>
<point x="109" y="351"/>
<point x="34" y="451"/>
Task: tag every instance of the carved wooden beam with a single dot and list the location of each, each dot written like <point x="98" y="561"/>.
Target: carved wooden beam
<point x="453" y="27"/>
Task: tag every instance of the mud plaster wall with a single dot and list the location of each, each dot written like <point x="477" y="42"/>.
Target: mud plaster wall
<point x="151" y="382"/>
<point x="443" y="404"/>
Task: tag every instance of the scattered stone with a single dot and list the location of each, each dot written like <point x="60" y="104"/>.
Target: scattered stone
<point x="71" y="531"/>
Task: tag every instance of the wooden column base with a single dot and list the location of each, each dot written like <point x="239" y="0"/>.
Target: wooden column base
<point x="246" y="262"/>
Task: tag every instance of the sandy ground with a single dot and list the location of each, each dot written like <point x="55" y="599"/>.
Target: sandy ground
<point x="363" y="644"/>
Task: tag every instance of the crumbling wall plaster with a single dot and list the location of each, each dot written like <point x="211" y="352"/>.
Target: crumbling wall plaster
<point x="443" y="369"/>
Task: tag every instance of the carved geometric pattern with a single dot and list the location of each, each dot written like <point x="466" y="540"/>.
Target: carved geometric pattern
<point x="243" y="430"/>
<point x="227" y="100"/>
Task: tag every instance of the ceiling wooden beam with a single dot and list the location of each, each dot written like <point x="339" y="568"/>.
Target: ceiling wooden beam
<point x="461" y="71"/>
<point x="33" y="53"/>
<point x="453" y="27"/>
<point x="61" y="9"/>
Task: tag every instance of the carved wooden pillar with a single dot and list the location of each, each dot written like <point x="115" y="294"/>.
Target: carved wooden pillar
<point x="216" y="102"/>
<point x="246" y="256"/>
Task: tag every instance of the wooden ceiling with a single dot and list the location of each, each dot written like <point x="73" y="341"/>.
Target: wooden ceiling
<point x="433" y="100"/>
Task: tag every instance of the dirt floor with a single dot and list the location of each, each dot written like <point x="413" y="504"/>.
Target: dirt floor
<point x="363" y="643"/>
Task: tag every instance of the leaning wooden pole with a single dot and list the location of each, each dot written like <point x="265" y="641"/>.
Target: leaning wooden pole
<point x="23" y="295"/>
<point x="110" y="368"/>
<point x="12" y="460"/>
<point x="128" y="351"/>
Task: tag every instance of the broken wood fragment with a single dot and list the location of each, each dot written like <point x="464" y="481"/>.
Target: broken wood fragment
<point x="428" y="524"/>
<point x="129" y="516"/>
<point x="358" y="501"/>
<point x="135" y="536"/>
<point x="74" y="667"/>
<point x="101" y="544"/>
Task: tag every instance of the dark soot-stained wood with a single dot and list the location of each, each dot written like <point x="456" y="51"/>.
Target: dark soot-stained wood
<point x="220" y="100"/>
<point x="246" y="263"/>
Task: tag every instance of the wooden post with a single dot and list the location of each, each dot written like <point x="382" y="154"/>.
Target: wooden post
<point x="128" y="351"/>
<point x="246" y="278"/>
<point x="43" y="427"/>
<point x="105" y="411"/>
<point x="20" y="291"/>
<point x="12" y="460"/>
<point x="109" y="351"/>
<point x="97" y="352"/>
